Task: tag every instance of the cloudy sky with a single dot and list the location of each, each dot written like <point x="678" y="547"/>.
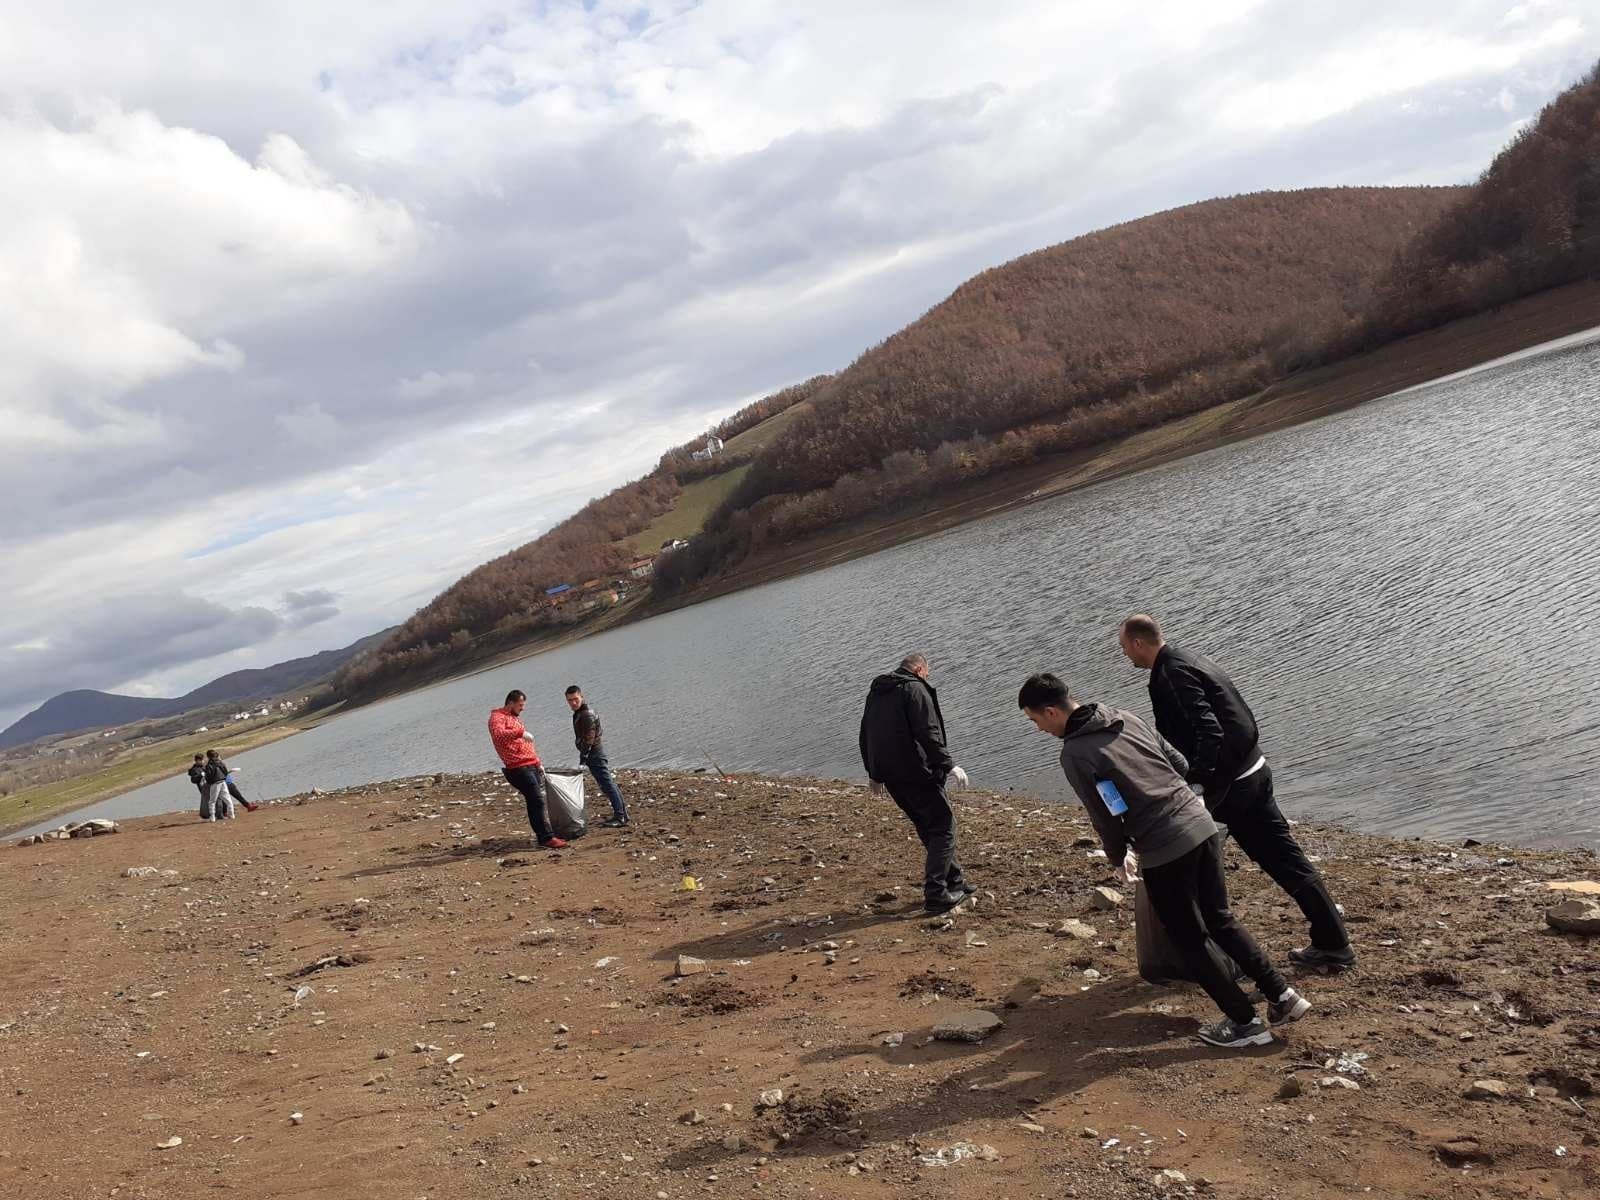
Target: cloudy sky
<point x="307" y="308"/>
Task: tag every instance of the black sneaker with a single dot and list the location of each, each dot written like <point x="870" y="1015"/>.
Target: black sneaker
<point x="934" y="905"/>
<point x="1323" y="960"/>
<point x="1290" y="1006"/>
<point x="1231" y="1035"/>
<point x="614" y="823"/>
<point x="965" y="888"/>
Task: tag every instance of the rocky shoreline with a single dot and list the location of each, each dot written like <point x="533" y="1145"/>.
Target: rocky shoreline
<point x="387" y="991"/>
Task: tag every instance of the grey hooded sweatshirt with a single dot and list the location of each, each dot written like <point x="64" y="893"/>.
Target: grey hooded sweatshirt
<point x="1164" y="819"/>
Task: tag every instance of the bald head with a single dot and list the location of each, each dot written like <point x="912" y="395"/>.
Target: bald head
<point x="917" y="664"/>
<point x="1141" y="640"/>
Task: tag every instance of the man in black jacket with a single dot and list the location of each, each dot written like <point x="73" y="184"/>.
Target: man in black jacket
<point x="197" y="776"/>
<point x="587" y="734"/>
<point x="903" y="749"/>
<point x="1198" y="710"/>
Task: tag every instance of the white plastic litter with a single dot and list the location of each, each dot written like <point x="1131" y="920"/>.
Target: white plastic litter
<point x="948" y="1156"/>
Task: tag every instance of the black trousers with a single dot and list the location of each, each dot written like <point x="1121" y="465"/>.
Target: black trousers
<point x="1250" y="812"/>
<point x="929" y="808"/>
<point x="530" y="783"/>
<point x="1190" y="896"/>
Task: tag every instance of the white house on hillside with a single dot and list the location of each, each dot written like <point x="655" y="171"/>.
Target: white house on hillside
<point x="712" y="448"/>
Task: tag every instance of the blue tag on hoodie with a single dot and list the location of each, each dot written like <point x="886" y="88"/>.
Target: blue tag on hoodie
<point x="1115" y="804"/>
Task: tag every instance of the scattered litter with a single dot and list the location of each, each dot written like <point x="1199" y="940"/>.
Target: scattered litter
<point x="172" y="1143"/>
<point x="948" y="1156"/>
<point x="1348" y="1062"/>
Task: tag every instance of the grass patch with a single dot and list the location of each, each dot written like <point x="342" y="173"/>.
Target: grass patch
<point x="688" y="516"/>
<point x="145" y="765"/>
<point x="759" y="437"/>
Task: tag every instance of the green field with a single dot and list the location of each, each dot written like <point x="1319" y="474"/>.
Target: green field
<point x="763" y="435"/>
<point x="688" y="515"/>
<point x="146" y="765"/>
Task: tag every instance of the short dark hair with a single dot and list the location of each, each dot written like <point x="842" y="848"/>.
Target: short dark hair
<point x="514" y="695"/>
<point x="211" y="753"/>
<point x="199" y="757"/>
<point x="1042" y="691"/>
<point x="574" y="690"/>
<point x="1142" y="628"/>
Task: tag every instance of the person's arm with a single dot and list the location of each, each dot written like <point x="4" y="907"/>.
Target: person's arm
<point x="927" y="733"/>
<point x="1113" y="838"/>
<point x="1187" y="690"/>
<point x="1180" y="764"/>
<point x="861" y="744"/>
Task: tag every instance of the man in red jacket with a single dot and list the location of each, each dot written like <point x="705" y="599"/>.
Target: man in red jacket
<point x="514" y="745"/>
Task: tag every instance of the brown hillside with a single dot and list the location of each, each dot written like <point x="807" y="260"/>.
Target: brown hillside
<point x="1113" y="331"/>
<point x="1134" y="306"/>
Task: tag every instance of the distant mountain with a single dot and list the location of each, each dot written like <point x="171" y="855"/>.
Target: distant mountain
<point x="85" y="709"/>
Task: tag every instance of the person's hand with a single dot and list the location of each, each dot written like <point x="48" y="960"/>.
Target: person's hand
<point x="1130" y="868"/>
<point x="957" y="779"/>
<point x="874" y="788"/>
<point x="1120" y="875"/>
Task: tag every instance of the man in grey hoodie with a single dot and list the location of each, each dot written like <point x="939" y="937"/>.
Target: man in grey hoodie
<point x="1130" y="782"/>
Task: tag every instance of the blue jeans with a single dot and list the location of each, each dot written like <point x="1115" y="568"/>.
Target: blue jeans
<point x="600" y="768"/>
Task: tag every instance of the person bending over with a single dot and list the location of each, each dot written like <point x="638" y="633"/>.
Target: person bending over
<point x="1125" y="775"/>
<point x="1199" y="710"/>
<point x="903" y="749"/>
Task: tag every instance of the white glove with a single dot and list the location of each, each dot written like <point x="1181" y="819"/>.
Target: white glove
<point x="1130" y="868"/>
<point x="956" y="780"/>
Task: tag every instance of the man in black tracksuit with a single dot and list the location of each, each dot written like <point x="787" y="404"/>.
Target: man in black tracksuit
<point x="903" y="748"/>
<point x="1198" y="709"/>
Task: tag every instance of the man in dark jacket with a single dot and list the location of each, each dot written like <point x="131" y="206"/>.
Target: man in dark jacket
<point x="1126" y="776"/>
<point x="1198" y="709"/>
<point x="903" y="748"/>
<point x="197" y="776"/>
<point x="592" y="754"/>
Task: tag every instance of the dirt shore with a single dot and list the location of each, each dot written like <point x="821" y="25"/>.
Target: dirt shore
<point x="481" y="1018"/>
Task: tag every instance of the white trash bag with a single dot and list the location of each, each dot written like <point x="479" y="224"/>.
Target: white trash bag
<point x="564" y="803"/>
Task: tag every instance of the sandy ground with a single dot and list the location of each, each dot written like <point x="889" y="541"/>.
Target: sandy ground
<point x="486" y="1019"/>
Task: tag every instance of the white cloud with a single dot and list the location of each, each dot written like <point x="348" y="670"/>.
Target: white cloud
<point x="430" y="384"/>
<point x="353" y="297"/>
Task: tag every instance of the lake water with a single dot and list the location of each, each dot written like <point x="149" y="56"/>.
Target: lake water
<point x="1406" y="593"/>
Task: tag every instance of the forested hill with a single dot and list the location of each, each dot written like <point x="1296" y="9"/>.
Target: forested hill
<point x="1059" y="349"/>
